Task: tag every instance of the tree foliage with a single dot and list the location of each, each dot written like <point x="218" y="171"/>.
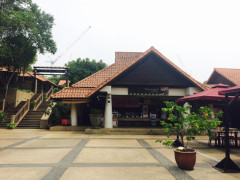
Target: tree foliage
<point x="24" y="30"/>
<point x="82" y="68"/>
<point x="17" y="53"/>
<point x="182" y="122"/>
<point x="22" y="17"/>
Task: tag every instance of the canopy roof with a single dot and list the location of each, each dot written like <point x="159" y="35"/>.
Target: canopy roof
<point x="230" y="91"/>
<point x="207" y="95"/>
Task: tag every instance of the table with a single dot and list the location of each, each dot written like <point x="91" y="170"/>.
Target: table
<point x="221" y="134"/>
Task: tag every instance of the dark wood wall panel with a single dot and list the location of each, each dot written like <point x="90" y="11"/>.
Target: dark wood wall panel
<point x="152" y="70"/>
<point x="218" y="78"/>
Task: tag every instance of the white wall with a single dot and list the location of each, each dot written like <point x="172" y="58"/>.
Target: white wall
<point x="192" y="90"/>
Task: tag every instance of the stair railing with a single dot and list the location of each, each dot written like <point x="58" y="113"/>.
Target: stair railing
<point x="48" y="94"/>
<point x="21" y="113"/>
<point x="38" y="101"/>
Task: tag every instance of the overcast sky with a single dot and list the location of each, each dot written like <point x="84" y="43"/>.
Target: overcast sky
<point x="196" y="35"/>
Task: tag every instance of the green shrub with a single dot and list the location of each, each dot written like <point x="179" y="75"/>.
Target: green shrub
<point x="3" y="116"/>
<point x="11" y="125"/>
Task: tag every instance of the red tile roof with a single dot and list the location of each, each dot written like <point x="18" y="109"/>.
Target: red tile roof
<point x="72" y="93"/>
<point x="233" y="75"/>
<point x="126" y="56"/>
<point x="123" y="61"/>
<point x="62" y="82"/>
<point x="39" y="77"/>
<point x="30" y="74"/>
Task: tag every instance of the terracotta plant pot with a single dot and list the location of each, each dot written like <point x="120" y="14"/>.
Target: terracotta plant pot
<point x="185" y="159"/>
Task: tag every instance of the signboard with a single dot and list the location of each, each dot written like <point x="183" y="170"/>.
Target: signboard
<point x="157" y="91"/>
<point x="125" y="102"/>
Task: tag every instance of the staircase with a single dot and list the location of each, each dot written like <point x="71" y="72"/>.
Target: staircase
<point x="32" y="118"/>
<point x="11" y="112"/>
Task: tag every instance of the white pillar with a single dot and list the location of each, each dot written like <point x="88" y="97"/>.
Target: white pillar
<point x="74" y="115"/>
<point x="188" y="111"/>
<point x="212" y="110"/>
<point x="108" y="112"/>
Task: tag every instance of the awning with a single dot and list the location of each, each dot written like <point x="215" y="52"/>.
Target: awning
<point x="207" y="95"/>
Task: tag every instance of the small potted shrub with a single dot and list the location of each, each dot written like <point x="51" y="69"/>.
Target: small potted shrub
<point x="95" y="117"/>
<point x="181" y="123"/>
<point x="11" y="125"/>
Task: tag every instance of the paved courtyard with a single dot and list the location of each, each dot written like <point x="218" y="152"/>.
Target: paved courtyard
<point x="49" y="155"/>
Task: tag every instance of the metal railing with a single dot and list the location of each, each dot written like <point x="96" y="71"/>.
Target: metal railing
<point x="38" y="101"/>
<point x="21" y="113"/>
<point x="48" y="94"/>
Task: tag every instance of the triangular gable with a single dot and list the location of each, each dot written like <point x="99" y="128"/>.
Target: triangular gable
<point x="225" y="76"/>
<point x="152" y="70"/>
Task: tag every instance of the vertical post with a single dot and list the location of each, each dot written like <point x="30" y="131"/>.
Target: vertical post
<point x="108" y="112"/>
<point x="35" y="82"/>
<point x="42" y="88"/>
<point x="226" y="123"/>
<point x="28" y="104"/>
<point x="67" y="82"/>
<point x="74" y="115"/>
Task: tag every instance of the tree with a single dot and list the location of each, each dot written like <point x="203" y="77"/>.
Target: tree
<point x="22" y="17"/>
<point x="82" y="68"/>
<point x="24" y="30"/>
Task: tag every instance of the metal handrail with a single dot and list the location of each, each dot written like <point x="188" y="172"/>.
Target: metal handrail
<point x="21" y="113"/>
<point x="38" y="101"/>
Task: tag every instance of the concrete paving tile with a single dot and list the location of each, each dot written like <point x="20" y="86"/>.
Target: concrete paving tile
<point x="116" y="173"/>
<point x="23" y="173"/>
<point x="64" y="135"/>
<point x="108" y="155"/>
<point x="209" y="173"/>
<point x="168" y="153"/>
<point x="8" y="142"/>
<point x="113" y="143"/>
<point x="32" y="156"/>
<point x="124" y="136"/>
<point x="153" y="143"/>
<point x="51" y="143"/>
<point x="212" y="153"/>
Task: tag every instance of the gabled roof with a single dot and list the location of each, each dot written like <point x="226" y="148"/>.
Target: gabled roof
<point x="39" y="77"/>
<point x="30" y="74"/>
<point x="233" y="75"/>
<point x="123" y="61"/>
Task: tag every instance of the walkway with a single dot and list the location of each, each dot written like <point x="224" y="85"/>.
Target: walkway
<point x="48" y="155"/>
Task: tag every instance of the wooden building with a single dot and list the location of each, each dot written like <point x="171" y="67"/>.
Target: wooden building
<point x="131" y="90"/>
<point x="227" y="76"/>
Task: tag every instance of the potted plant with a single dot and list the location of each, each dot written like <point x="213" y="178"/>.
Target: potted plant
<point x="182" y="123"/>
<point x="11" y="125"/>
<point x="95" y="116"/>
